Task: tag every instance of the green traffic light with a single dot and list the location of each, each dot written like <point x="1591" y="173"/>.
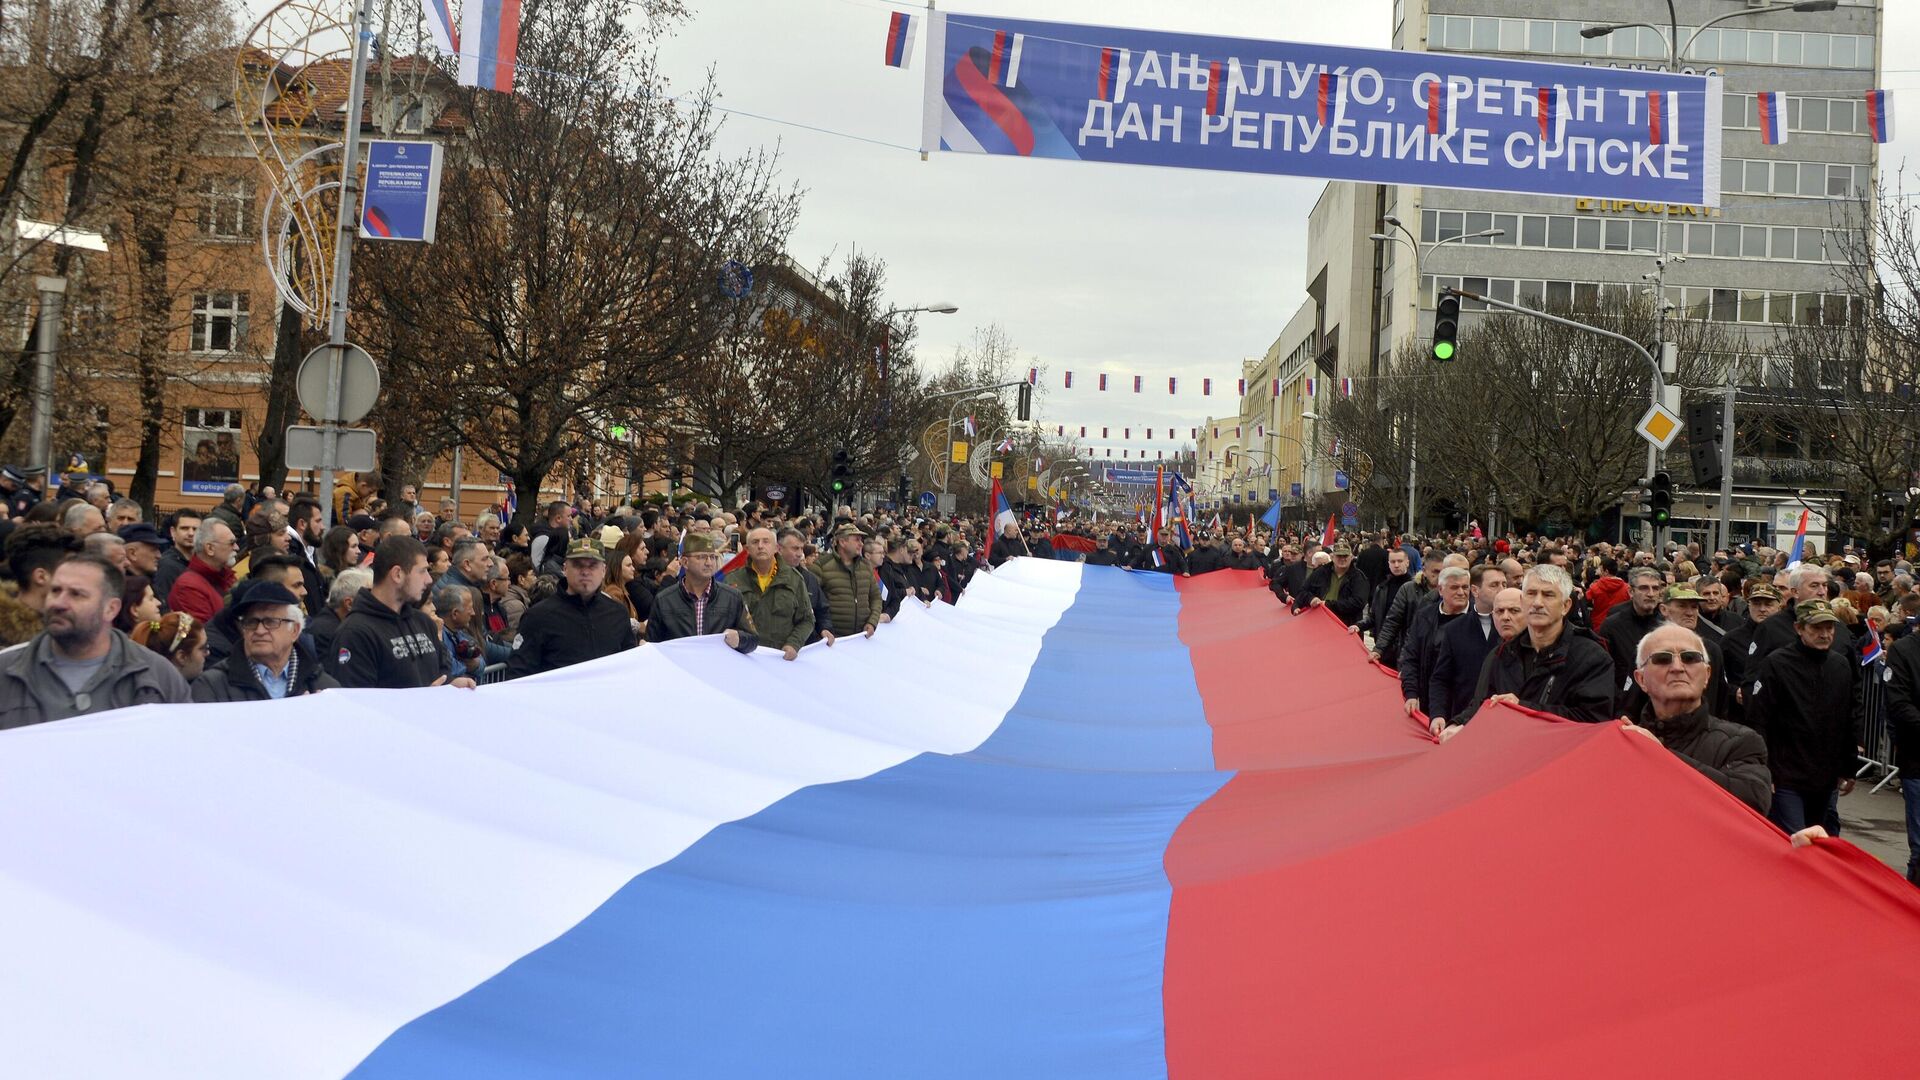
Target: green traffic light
<point x="839" y="486"/>
<point x="1443" y="350"/>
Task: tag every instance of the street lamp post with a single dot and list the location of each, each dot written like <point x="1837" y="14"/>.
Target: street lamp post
<point x="1419" y="255"/>
<point x="1676" y="53"/>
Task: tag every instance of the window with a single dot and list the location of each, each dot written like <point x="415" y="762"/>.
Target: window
<point x="1533" y="231"/>
<point x="1586" y="234"/>
<point x="219" y="322"/>
<point x="412" y="118"/>
<point x="225" y="208"/>
<point x="1618" y="231"/>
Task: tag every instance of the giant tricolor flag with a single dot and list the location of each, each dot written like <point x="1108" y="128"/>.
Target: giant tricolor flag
<point x="1046" y="867"/>
<point x="489" y="44"/>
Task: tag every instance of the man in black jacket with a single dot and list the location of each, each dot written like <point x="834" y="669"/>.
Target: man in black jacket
<point x="1903" y="712"/>
<point x="1803" y="702"/>
<point x="793" y="552"/>
<point x="1372" y="559"/>
<point x="1626" y="624"/>
<point x="1422" y="588"/>
<point x="1398" y="574"/>
<point x="1007" y="545"/>
<point x="1418" y="656"/>
<point x="386" y="640"/>
<point x="1463" y="648"/>
<point x="1672" y="673"/>
<point x="1551" y="666"/>
<point x="269" y="662"/>
<point x="1290" y="574"/>
<point x="1741" y="650"/>
<point x="1339" y="586"/>
<point x="698" y="604"/>
<point x="581" y="622"/>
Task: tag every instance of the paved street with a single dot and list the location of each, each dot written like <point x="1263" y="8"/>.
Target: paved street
<point x="1877" y="824"/>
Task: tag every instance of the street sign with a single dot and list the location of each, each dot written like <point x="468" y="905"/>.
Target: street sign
<point x="1660" y="426"/>
<point x="960" y="453"/>
<point x="927" y="500"/>
<point x="1273" y="494"/>
<point x="359" y="384"/>
<point x="356" y="448"/>
<point x="1293" y="489"/>
<point x="1340" y="479"/>
<point x="1349" y="515"/>
<point x="776" y="493"/>
<point x="402" y="197"/>
<point x="997" y="469"/>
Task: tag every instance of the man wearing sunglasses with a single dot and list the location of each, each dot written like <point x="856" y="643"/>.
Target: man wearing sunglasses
<point x="1674" y="671"/>
<point x="269" y="662"/>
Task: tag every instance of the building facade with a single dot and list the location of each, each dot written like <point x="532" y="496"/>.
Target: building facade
<point x="1765" y="258"/>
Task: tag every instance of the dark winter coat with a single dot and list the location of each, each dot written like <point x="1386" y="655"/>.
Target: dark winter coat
<point x="1729" y="754"/>
<point x="378" y="646"/>
<point x="1803" y="702"/>
<point x="566" y="629"/>
<point x="235" y="679"/>
<point x="1573" y="677"/>
<point x="1462" y="651"/>
<point x="1354" y="593"/>
<point x="673" y="615"/>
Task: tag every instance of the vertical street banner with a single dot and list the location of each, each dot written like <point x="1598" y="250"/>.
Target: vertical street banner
<point x="402" y="198"/>
<point x="1148" y="97"/>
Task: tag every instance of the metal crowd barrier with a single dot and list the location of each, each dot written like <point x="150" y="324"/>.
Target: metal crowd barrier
<point x="492" y="673"/>
<point x="1877" y="736"/>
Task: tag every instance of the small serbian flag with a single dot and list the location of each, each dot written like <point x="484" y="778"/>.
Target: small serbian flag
<point x="1069" y="380"/>
<point x="1138" y="380"/>
<point x="1870" y="648"/>
<point x="1310" y="383"/>
<point x="1159" y="560"/>
<point x="1083" y="431"/>
<point x="1329" y="94"/>
<point x="1006" y="445"/>
<point x="1213" y="88"/>
<point x="1550" y="115"/>
<point x="1243" y="388"/>
<point x="1111" y="82"/>
<point x="1150" y="433"/>
<point x="900" y="28"/>
<point x="1103" y="382"/>
<point x="1216" y="431"/>
<point x="1003" y="67"/>
<point x="1440" y="116"/>
<point x="1880" y="115"/>
<point x="1276" y="388"/>
<point x="490" y="30"/>
<point x="1033" y="376"/>
<point x="1346" y="387"/>
<point x="1657" y="118"/>
<point x="440" y="26"/>
<point x="1126" y="433"/>
<point x="1171" y="384"/>
<point x="967" y="426"/>
<point x="1103" y="433"/>
<point x="1206" y="387"/>
<point x="1773" y="117"/>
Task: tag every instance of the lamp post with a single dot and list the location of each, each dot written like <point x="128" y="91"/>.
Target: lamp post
<point x="1676" y="53"/>
<point x="946" y="466"/>
<point x="1419" y="254"/>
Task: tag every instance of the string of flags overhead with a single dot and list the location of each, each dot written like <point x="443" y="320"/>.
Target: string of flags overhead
<point x="1311" y="387"/>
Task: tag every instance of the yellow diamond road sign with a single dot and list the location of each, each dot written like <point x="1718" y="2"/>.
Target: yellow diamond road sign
<point x="1659" y="426"/>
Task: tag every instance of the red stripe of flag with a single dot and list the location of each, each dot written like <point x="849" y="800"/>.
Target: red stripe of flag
<point x="1655" y="121"/>
<point x="1105" y="84"/>
<point x="999" y="56"/>
<point x="895" y="25"/>
<point x="1546" y="113"/>
<point x="1213" y="88"/>
<point x="1326" y="81"/>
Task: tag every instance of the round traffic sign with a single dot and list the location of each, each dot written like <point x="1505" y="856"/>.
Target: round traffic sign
<point x="359" y="383"/>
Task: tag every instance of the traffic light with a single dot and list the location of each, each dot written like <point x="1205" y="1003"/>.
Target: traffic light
<point x="842" y="471"/>
<point x="1660" y="498"/>
<point x="1446" y="328"/>
<point x="674" y="479"/>
<point x="1706" y="430"/>
<point x="1023" y="402"/>
<point x="903" y="491"/>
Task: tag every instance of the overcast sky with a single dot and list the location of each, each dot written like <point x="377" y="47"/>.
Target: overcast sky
<point x="1090" y="268"/>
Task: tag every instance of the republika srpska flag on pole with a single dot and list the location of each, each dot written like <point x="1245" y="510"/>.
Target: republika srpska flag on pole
<point x="440" y="26"/>
<point x="900" y="27"/>
<point x="1799" y="542"/>
<point x="490" y="44"/>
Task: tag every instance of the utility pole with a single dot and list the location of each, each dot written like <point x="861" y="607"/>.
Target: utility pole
<point x="345" y="226"/>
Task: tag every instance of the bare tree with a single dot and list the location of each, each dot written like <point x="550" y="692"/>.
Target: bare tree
<point x="584" y="224"/>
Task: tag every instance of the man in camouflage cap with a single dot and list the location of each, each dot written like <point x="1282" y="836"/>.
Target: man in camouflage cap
<point x="699" y="603"/>
<point x="1803" y="702"/>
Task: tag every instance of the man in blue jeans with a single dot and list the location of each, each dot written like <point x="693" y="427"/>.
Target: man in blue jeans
<point x="1804" y="703"/>
<point x="1903" y="710"/>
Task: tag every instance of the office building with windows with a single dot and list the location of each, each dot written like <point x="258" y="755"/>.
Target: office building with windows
<point x="1764" y="258"/>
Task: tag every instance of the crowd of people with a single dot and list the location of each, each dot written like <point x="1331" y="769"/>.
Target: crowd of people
<point x="1760" y="675"/>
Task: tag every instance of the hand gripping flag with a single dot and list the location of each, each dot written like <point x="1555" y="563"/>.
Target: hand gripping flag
<point x="490" y="44"/>
<point x="900" y="28"/>
<point x="1773" y="117"/>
